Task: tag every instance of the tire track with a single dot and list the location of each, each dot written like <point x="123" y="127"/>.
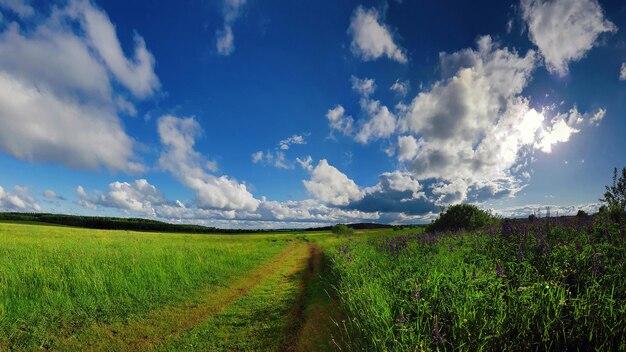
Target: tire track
<point x="168" y="322"/>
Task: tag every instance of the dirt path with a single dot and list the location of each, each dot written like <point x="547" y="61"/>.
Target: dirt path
<point x="168" y="322"/>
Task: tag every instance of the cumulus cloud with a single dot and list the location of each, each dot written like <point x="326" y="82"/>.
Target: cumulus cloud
<point x="19" y="200"/>
<point x="622" y="72"/>
<point x="178" y="137"/>
<point x="472" y="132"/>
<point x="564" y="30"/>
<point x="52" y="195"/>
<point x="59" y="103"/>
<point x="372" y="39"/>
<point x="396" y="192"/>
<point x="330" y="185"/>
<point x="231" y="9"/>
<point x="339" y="121"/>
<point x="407" y="148"/>
<point x="20" y="7"/>
<point x="137" y="197"/>
<point x="377" y="121"/>
<point x="36" y="125"/>
<point x="380" y="122"/>
<point x="312" y="210"/>
<point x="364" y="86"/>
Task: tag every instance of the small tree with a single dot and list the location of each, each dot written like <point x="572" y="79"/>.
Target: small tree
<point x="615" y="196"/>
<point x="461" y="217"/>
<point x="581" y="214"/>
<point x="341" y="229"/>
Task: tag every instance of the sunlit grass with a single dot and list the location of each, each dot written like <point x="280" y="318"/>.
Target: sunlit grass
<point x="57" y="280"/>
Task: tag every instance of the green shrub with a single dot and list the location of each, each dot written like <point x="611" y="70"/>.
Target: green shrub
<point x="461" y="217"/>
<point x="341" y="229"/>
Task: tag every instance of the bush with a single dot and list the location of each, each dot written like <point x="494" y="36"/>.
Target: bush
<point x="461" y="217"/>
<point x="582" y="214"/>
<point x="615" y="195"/>
<point x="341" y="229"/>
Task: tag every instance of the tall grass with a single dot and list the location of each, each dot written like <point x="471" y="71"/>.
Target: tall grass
<point x="56" y="280"/>
<point x="537" y="286"/>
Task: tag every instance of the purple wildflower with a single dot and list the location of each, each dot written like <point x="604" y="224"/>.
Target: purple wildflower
<point x="499" y="271"/>
<point x="595" y="262"/>
<point x="436" y="333"/>
<point x="522" y="249"/>
<point x="507" y="229"/>
<point x="416" y="293"/>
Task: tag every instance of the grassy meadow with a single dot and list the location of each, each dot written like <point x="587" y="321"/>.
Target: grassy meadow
<point x="546" y="284"/>
<point x="57" y="280"/>
<point x="553" y="284"/>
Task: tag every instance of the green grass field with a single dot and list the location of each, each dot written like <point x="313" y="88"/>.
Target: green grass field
<point x="538" y="286"/>
<point x="58" y="281"/>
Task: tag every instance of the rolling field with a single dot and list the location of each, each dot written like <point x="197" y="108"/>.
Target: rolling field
<point x="68" y="288"/>
<point x="541" y="285"/>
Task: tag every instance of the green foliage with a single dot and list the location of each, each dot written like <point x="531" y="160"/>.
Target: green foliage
<point x="549" y="287"/>
<point x="461" y="217"/>
<point x="342" y="229"/>
<point x="615" y="195"/>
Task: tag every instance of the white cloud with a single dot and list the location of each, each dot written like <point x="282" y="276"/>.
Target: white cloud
<point x="20" y="7"/>
<point x="364" y="86"/>
<point x="231" y="9"/>
<point x="396" y="192"/>
<point x="338" y="120"/>
<point x="401" y="88"/>
<point x="285" y="144"/>
<point x="331" y="186"/>
<point x="36" y="125"/>
<point x="52" y="195"/>
<point x="597" y="117"/>
<point x="473" y="132"/>
<point x="258" y="157"/>
<point x="381" y="122"/>
<point x="622" y="72"/>
<point x="564" y="30"/>
<point x="225" y="41"/>
<point x="59" y="103"/>
<point x="181" y="159"/>
<point x="19" y="200"/>
<point x="278" y="159"/>
<point x="312" y="210"/>
<point x="372" y="39"/>
<point x="566" y="210"/>
<point x="137" y="197"/>
<point x="136" y="74"/>
<point x="305" y="163"/>
<point x="407" y="148"/>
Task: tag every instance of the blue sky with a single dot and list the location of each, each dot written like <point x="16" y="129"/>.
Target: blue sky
<point x="251" y="113"/>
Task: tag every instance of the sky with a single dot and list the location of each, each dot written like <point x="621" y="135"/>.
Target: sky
<point x="275" y="114"/>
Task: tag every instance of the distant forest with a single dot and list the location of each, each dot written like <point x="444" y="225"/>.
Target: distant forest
<point x="147" y="225"/>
